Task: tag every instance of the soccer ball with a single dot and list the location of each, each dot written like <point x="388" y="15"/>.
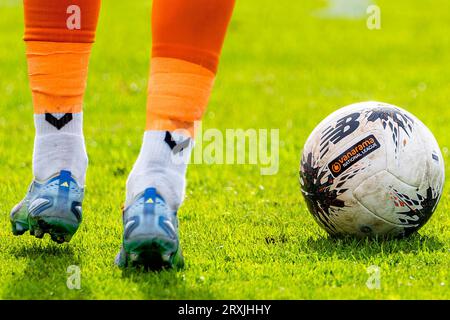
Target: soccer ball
<point x="372" y="170"/>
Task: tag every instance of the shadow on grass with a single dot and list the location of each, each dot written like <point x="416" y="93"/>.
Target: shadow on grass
<point x="165" y="284"/>
<point x="45" y="274"/>
<point x="363" y="249"/>
<point x="42" y="251"/>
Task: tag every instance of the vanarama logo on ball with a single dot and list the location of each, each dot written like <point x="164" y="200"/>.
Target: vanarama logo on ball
<point x="352" y="155"/>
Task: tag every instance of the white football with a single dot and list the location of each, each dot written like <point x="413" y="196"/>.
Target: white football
<point x="372" y="169"/>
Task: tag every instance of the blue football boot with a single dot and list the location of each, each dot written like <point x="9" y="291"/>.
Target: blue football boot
<point x="53" y="207"/>
<point x="150" y="237"/>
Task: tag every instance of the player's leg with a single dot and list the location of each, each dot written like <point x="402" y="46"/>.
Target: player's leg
<point x="59" y="36"/>
<point x="187" y="41"/>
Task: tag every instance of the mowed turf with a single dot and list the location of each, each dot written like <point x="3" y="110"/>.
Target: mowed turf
<point x="244" y="236"/>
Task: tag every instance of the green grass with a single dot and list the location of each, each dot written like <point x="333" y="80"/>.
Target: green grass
<point x="282" y="67"/>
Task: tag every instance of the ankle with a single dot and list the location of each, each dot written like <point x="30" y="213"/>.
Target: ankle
<point x="169" y="184"/>
<point x="162" y="164"/>
<point x="59" y="145"/>
<point x="56" y="152"/>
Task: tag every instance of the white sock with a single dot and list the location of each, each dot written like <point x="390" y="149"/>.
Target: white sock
<point x="161" y="164"/>
<point x="59" y="145"/>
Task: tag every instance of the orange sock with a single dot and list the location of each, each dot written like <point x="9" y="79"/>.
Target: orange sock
<point x="59" y="36"/>
<point x="187" y="41"/>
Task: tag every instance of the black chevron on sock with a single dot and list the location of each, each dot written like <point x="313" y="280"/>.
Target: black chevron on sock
<point x="176" y="148"/>
<point x="58" y="123"/>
